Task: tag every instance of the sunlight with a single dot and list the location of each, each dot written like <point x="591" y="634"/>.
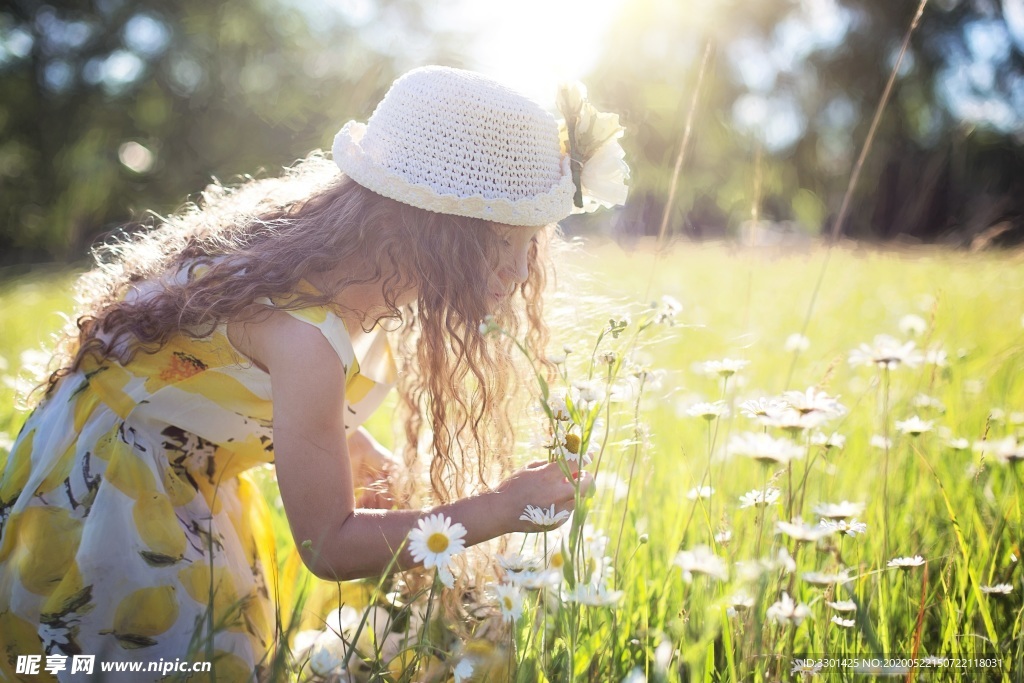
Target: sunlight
<point x="533" y="45"/>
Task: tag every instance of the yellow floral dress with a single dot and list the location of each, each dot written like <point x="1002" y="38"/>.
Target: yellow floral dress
<point x="129" y="529"/>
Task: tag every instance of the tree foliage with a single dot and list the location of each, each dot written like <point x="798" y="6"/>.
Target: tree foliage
<point x="114" y="107"/>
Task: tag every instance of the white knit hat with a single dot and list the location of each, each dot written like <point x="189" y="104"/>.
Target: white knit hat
<point x="456" y="142"/>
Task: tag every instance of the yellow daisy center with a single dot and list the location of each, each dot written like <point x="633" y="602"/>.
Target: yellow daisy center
<point x="437" y="542"/>
<point x="507" y="602"/>
<point x="572" y="443"/>
<point x="556" y="561"/>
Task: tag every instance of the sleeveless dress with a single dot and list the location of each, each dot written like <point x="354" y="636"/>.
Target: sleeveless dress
<point x="129" y="527"/>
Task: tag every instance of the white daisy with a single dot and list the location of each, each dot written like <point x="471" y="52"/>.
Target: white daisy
<point x="702" y="492"/>
<point x="998" y="589"/>
<point x="796" y="342"/>
<point x="785" y="611"/>
<point x="814" y="401"/>
<point x="914" y="426"/>
<point x="843" y="605"/>
<point x="435" y="540"/>
<point x="928" y="402"/>
<point x="833" y="440"/>
<point x="879" y="441"/>
<point x="513" y="563"/>
<point x="850" y="527"/>
<point x="536" y="580"/>
<point x="708" y="411"/>
<point x="669" y="309"/>
<point x="510" y="600"/>
<point x="701" y="560"/>
<point x="727" y="367"/>
<point x="760" y="498"/>
<point x="593" y="595"/>
<point x="557" y="405"/>
<point x="958" y="444"/>
<point x="764" y="448"/>
<point x="802" y="532"/>
<point x="1006" y="450"/>
<point x="845" y="623"/>
<point x="544" y="519"/>
<point x="906" y="562"/>
<point x="912" y="325"/>
<point x="762" y="407"/>
<point x="825" y="579"/>
<point x="886" y="352"/>
<point x="463" y="670"/>
<point x="839" y="510"/>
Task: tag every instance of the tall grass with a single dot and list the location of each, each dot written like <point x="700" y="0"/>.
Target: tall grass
<point x="939" y="494"/>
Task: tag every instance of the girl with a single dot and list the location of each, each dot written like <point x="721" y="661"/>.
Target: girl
<point x="250" y="331"/>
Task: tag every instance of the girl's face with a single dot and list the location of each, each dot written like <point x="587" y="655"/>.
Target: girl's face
<point x="511" y="269"/>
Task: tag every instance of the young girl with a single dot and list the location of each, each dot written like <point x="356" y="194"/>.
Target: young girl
<point x="250" y="331"/>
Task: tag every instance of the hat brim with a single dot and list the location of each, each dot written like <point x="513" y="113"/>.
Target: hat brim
<point x="538" y="210"/>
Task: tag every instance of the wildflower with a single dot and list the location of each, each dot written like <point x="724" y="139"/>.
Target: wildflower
<point x="849" y="527"/>
<point x="545" y="519"/>
<point x="1006" y="450"/>
<point x="723" y="537"/>
<point x="794" y="422"/>
<point x="668" y="311"/>
<point x="886" y="352"/>
<point x="998" y="589"/>
<point x="741" y="601"/>
<point x="802" y="532"/>
<point x="833" y="440"/>
<point x="929" y="402"/>
<point x="796" y="342"/>
<point x="936" y="356"/>
<point x="845" y="623"/>
<point x="915" y="426"/>
<point x="785" y="611"/>
<point x="812" y="401"/>
<point x="824" y="579"/>
<point x="536" y="580"/>
<point x="913" y="325"/>
<point x="879" y="441"/>
<point x="515" y="563"/>
<point x="906" y="562"/>
<point x="558" y="406"/>
<point x="753" y="570"/>
<point x="593" y="595"/>
<point x="764" y="448"/>
<point x="708" y="411"/>
<point x="607" y="357"/>
<point x="589" y="391"/>
<point x="510" y="600"/>
<point x="807" y="667"/>
<point x="759" y="497"/>
<point x="701" y="560"/>
<point x="435" y="540"/>
<point x="839" y="510"/>
<point x="557" y="359"/>
<point x="463" y="670"/>
<point x="762" y="407"/>
<point x="725" y="368"/>
<point x="327" y="655"/>
<point x="843" y="605"/>
<point x="702" y="492"/>
<point x="445" y="576"/>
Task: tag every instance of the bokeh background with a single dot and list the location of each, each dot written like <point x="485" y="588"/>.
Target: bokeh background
<point x="110" y="109"/>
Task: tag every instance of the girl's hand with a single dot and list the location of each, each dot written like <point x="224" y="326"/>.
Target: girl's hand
<point x="373" y="470"/>
<point x="540" y="484"/>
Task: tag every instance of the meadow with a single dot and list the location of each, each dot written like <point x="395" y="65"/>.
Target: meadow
<point x="809" y="465"/>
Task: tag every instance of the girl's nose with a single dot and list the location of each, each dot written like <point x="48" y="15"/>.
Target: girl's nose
<point x="520" y="269"/>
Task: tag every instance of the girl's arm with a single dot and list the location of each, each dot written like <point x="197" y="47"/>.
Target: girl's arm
<point x="337" y="540"/>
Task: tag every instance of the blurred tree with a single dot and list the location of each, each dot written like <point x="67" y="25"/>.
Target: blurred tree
<point x="113" y="106"/>
<point x="787" y="101"/>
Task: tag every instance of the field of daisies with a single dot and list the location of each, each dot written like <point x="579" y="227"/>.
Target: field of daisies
<point x="808" y="465"/>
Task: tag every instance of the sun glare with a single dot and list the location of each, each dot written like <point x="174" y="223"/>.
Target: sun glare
<point x="533" y="45"/>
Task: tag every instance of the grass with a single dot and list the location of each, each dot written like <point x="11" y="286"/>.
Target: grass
<point x="958" y="508"/>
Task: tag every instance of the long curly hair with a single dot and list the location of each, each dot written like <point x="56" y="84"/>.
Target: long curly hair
<point x="457" y="386"/>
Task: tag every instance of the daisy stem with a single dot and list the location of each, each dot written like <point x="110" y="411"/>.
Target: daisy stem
<point x="885" y="463"/>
